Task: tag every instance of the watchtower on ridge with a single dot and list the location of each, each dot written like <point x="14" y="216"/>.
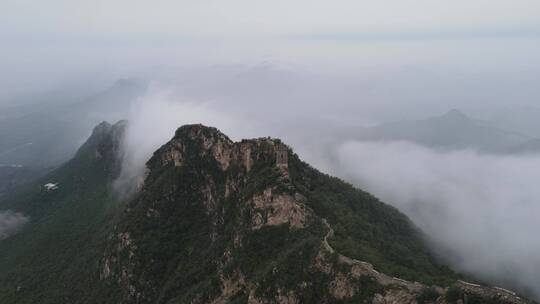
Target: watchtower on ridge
<point x="282" y="155"/>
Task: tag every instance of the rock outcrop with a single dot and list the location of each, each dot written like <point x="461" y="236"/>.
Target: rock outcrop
<point x="219" y="221"/>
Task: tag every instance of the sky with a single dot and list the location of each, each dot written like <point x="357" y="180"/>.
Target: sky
<point x="49" y="44"/>
<point x="236" y="18"/>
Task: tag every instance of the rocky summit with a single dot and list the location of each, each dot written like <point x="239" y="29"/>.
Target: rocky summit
<point x="218" y="221"/>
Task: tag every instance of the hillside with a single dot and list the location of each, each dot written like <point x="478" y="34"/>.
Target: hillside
<point x="38" y="137"/>
<point x="53" y="258"/>
<point x="216" y="221"/>
<point x="11" y="176"/>
<point x="530" y="147"/>
<point x="451" y="131"/>
<point x="234" y="222"/>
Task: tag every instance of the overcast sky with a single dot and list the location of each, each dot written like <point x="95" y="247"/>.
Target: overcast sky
<point x="194" y="19"/>
<point x="47" y="43"/>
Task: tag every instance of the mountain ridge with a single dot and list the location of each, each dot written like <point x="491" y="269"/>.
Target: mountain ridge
<point x="217" y="221"/>
<point x="249" y="200"/>
<point x="53" y="257"/>
<point x="452" y="130"/>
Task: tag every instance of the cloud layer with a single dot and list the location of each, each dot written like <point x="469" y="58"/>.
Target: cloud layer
<point x="482" y="212"/>
<point x="10" y="223"/>
<point x="153" y="120"/>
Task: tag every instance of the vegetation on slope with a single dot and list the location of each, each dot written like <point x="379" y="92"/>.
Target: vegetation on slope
<point x="190" y="231"/>
<point x="54" y="258"/>
<point x="182" y="236"/>
<point x="367" y="229"/>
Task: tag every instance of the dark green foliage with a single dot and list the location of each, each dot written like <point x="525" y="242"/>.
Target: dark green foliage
<point x="476" y="299"/>
<point x="428" y="295"/>
<point x="54" y="258"/>
<point x="12" y="177"/>
<point x="240" y="298"/>
<point x="453" y="294"/>
<point x="278" y="257"/>
<point x="367" y="229"/>
<point x="180" y="237"/>
<point x="368" y="287"/>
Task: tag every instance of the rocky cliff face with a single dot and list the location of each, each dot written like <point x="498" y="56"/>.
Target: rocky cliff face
<point x="218" y="221"/>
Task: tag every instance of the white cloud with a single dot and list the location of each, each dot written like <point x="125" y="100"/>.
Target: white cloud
<point x="481" y="210"/>
<point x="153" y="120"/>
<point x="10" y="223"/>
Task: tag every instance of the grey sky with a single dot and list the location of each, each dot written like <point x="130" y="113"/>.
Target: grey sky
<point x="281" y="17"/>
<point x="64" y="40"/>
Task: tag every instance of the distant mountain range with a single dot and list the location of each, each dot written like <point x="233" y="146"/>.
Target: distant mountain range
<point x="452" y="131"/>
<point x="522" y="119"/>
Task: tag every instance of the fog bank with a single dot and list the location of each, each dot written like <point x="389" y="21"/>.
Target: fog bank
<point x="10" y="223"/>
<point x="482" y="211"/>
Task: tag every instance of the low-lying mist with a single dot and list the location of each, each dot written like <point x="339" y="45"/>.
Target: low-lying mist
<point x="481" y="211"/>
<point x="10" y="223"/>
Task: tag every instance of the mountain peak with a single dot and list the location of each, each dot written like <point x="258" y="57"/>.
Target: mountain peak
<point x="250" y="211"/>
<point x="455" y="115"/>
<point x="129" y="83"/>
<point x="192" y="141"/>
<point x="103" y="147"/>
<point x="200" y="131"/>
<point x="105" y="128"/>
<point x="218" y="221"/>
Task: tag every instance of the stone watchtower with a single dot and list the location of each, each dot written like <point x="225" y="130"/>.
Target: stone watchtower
<point x="282" y="156"/>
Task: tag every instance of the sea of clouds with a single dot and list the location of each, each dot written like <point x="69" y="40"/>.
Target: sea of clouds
<point x="480" y="211"/>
